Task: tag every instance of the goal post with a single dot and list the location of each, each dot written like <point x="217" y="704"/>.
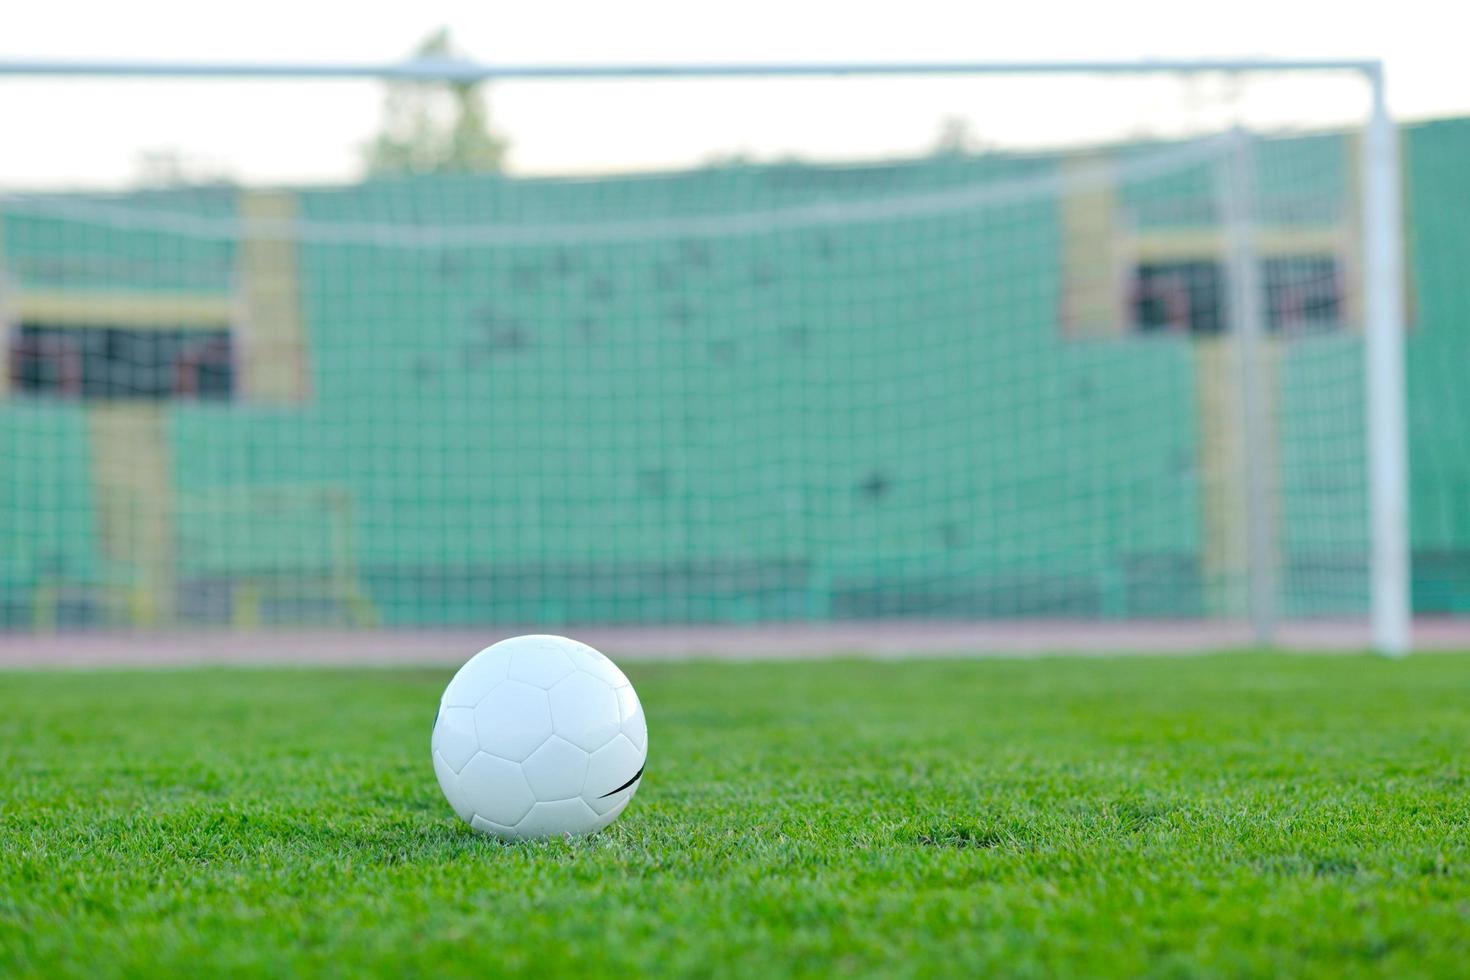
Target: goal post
<point x="891" y="381"/>
<point x="1383" y="353"/>
<point x="1247" y="325"/>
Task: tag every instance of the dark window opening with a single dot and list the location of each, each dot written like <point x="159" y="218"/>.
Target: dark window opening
<point x="1303" y="293"/>
<point x="1179" y="297"/>
<point x="115" y="363"/>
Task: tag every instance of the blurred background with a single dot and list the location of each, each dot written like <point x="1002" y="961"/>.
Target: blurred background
<point x="1032" y="360"/>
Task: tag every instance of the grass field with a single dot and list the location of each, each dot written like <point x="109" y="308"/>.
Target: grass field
<point x="1243" y="814"/>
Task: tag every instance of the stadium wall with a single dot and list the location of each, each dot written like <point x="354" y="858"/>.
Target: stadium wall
<point x="686" y="429"/>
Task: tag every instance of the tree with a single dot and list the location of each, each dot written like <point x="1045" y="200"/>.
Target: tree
<point x="956" y="138"/>
<point x="435" y="127"/>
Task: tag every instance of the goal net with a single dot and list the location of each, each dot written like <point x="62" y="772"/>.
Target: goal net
<point x="1051" y="348"/>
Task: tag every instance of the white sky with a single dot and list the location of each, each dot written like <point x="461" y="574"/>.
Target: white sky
<point x="70" y="132"/>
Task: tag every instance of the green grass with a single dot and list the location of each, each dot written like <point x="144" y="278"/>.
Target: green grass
<point x="1219" y="816"/>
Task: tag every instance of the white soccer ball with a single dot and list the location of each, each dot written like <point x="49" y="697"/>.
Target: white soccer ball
<point x="539" y="736"/>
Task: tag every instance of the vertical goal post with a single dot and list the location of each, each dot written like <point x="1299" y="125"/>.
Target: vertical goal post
<point x="1382" y="258"/>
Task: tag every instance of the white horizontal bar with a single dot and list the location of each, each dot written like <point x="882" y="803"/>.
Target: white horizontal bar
<point x="449" y="69"/>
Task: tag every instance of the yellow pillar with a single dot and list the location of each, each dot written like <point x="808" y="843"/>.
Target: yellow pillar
<point x="273" y="339"/>
<point x="1092" y="279"/>
<point x="1224" y="510"/>
<point x="132" y="481"/>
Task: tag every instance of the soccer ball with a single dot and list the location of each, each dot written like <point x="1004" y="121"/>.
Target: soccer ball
<point x="539" y="736"/>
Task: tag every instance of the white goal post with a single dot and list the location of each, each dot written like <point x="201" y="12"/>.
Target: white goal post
<point x="1382" y="258"/>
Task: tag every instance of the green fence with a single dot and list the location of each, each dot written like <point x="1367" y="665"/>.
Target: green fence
<point x="734" y="394"/>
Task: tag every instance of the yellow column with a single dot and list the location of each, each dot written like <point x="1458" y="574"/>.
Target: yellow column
<point x="1224" y="552"/>
<point x="1092" y="278"/>
<point x="132" y="478"/>
<point x="273" y="337"/>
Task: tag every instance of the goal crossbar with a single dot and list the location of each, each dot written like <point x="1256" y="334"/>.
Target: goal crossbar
<point x="462" y="70"/>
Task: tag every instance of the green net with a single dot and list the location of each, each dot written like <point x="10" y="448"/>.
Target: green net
<point x="966" y="385"/>
<point x="1007" y="374"/>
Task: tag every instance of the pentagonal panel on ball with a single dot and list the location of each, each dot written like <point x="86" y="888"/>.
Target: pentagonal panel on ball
<point x="556" y="819"/>
<point x="513" y="720"/>
<point x="454" y="736"/>
<point x="592" y="662"/>
<point x="631" y="712"/>
<point x="477" y="677"/>
<point x="449" y="783"/>
<point x="584" y="711"/>
<point x="611" y="815"/>
<point x="494" y="789"/>
<point x="492" y="828"/>
<point x="556" y="770"/>
<point x="540" y="661"/>
<point x="610" y="774"/>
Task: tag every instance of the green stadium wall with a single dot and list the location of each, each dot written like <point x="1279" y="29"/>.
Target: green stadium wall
<point x="813" y="424"/>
